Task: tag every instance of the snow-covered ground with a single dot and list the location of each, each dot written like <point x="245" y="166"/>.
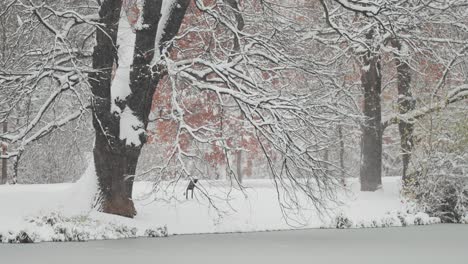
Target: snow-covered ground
<point x="60" y="211"/>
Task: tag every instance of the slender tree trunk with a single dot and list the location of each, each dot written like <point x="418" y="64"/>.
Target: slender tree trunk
<point x="114" y="159"/>
<point x="14" y="179"/>
<point x="406" y="103"/>
<point x="240" y="26"/>
<point x="342" y="153"/>
<point x="371" y="139"/>
<point x="239" y="165"/>
<point x="3" y="149"/>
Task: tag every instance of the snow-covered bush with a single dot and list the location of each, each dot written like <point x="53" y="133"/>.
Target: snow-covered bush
<point x="438" y="184"/>
<point x="342" y="221"/>
<point x="20" y="237"/>
<point x="440" y="188"/>
<point x="58" y="228"/>
<point x="390" y="219"/>
<point x="464" y="219"/>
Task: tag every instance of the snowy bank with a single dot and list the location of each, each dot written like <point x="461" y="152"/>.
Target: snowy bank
<point x="60" y="212"/>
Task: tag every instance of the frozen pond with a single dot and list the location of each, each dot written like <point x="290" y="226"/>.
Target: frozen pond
<point x="424" y="244"/>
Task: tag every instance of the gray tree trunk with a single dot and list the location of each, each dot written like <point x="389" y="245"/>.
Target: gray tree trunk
<point x="371" y="139"/>
<point x="239" y="166"/>
<point x="3" y="150"/>
<point x="406" y="103"/>
<point x="115" y="161"/>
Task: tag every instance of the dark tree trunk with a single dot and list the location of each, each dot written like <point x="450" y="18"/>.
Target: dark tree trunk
<point x="114" y="167"/>
<point x="109" y="160"/>
<point x="114" y="159"/>
<point x="406" y="103"/>
<point x="371" y="139"/>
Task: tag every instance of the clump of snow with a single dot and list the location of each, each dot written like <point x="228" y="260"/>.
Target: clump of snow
<point x="366" y="68"/>
<point x="131" y="128"/>
<point x="120" y="87"/>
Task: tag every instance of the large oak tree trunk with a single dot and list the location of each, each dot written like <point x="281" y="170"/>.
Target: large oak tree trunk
<point x="406" y="103"/>
<point x="109" y="155"/>
<point x="115" y="167"/>
<point x="371" y="139"/>
<point x="114" y="159"/>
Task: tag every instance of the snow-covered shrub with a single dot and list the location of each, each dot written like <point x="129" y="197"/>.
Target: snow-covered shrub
<point x="402" y="219"/>
<point x="440" y="188"/>
<point x="159" y="232"/>
<point x="439" y="183"/>
<point x="390" y="219"/>
<point x="464" y="219"/>
<point x="342" y="221"/>
<point x="20" y="237"/>
<point x="58" y="228"/>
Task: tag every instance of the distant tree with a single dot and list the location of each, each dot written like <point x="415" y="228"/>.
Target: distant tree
<point x="367" y="30"/>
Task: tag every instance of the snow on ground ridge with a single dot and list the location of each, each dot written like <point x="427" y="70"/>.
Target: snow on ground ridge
<point x="29" y="208"/>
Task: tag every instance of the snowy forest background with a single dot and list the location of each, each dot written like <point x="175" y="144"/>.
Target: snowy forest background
<point x="314" y="95"/>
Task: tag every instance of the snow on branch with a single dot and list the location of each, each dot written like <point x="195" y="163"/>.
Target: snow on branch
<point x="365" y="7"/>
<point x="166" y="11"/>
<point x="455" y="95"/>
<point x="43" y="131"/>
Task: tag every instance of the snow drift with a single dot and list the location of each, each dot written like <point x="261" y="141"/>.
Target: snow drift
<point x="62" y="212"/>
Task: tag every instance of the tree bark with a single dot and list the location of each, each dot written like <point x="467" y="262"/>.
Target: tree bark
<point x="406" y="103"/>
<point x="109" y="159"/>
<point x="371" y="139"/>
<point x="114" y="159"/>
<point x="239" y="165"/>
